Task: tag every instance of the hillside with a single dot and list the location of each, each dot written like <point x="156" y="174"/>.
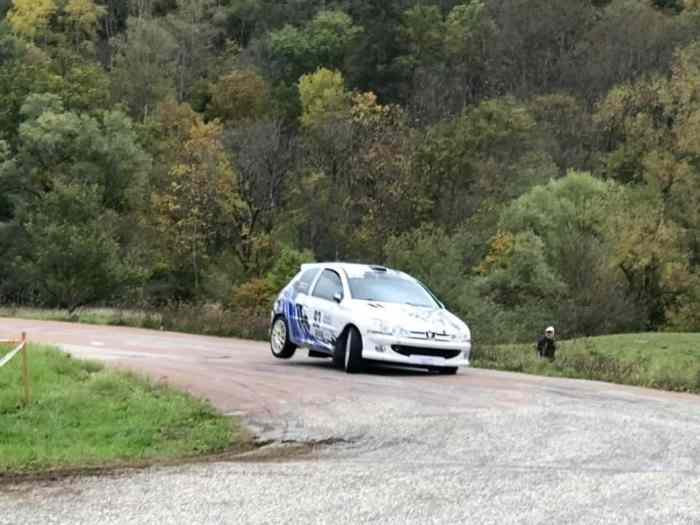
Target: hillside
<point x="657" y="360"/>
<point x="534" y="162"/>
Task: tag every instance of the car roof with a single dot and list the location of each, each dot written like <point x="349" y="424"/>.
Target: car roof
<point x="355" y="269"/>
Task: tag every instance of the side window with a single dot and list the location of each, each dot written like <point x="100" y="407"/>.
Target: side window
<point x="328" y="285"/>
<point x="303" y="284"/>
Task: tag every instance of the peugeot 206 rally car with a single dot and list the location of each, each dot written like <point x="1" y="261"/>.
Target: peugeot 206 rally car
<point x="355" y="313"/>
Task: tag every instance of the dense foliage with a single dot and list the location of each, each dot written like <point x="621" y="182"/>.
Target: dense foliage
<point x="535" y="161"/>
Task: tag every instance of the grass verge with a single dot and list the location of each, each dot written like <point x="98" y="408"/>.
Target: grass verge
<point x="666" y="361"/>
<point x="84" y="416"/>
<point x="187" y="318"/>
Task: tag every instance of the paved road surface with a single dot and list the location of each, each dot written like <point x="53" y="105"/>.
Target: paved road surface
<point x="479" y="447"/>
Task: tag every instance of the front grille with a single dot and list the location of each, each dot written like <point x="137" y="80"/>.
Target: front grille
<point x="432" y="352"/>
<point x="434" y="336"/>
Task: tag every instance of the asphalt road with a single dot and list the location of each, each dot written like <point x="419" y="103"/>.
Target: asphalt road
<point x="402" y="447"/>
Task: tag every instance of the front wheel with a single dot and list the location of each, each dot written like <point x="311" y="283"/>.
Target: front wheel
<point x="352" y="355"/>
<point x="281" y="346"/>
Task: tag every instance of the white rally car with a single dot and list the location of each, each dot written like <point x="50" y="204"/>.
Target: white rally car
<point x="356" y="312"/>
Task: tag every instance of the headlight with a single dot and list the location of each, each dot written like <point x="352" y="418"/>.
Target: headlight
<point x="380" y="327"/>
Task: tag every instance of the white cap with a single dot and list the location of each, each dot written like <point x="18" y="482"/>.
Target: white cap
<point x="549" y="329"/>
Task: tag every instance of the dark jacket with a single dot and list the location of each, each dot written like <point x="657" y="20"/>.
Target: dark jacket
<point x="546" y="347"/>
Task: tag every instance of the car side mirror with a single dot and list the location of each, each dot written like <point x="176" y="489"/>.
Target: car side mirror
<point x="337" y="297"/>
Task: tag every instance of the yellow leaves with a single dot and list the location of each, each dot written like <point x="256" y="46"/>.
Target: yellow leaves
<point x="84" y="15"/>
<point x="323" y="97"/>
<point x="368" y="112"/>
<point x="641" y="236"/>
<point x="30" y="18"/>
<point x="500" y="251"/>
<point x="201" y="194"/>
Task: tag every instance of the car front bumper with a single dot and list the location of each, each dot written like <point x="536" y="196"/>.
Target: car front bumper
<point x="421" y="352"/>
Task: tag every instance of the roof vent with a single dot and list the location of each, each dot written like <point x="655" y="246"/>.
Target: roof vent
<point x="378" y="268"/>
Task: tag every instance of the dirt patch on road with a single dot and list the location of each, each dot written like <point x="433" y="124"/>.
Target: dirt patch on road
<point x="271" y="452"/>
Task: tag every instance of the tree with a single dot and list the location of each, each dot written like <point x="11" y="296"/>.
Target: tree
<point x="144" y="66"/>
<point x="30" y="18"/>
<point x="263" y="154"/>
<point x="555" y="251"/>
<point x="194" y="34"/>
<point x="469" y="35"/>
<point x="649" y="253"/>
<point x="323" y="43"/>
<point x="422" y="30"/>
<point x="490" y="151"/>
<point x="238" y="97"/>
<point x="538" y="41"/>
<point x="630" y="40"/>
<point x="101" y="152"/>
<point x="75" y="185"/>
<point x="197" y="207"/>
<point x="323" y="97"/>
<point x="651" y="135"/>
<point x="84" y="17"/>
<point x="446" y="57"/>
<point x="242" y="18"/>
<point x="567" y="128"/>
<point x="76" y="257"/>
<point x="23" y="69"/>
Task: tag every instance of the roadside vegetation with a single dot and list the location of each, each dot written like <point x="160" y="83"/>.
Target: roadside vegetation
<point x="656" y="360"/>
<point x="208" y="319"/>
<point x="83" y="415"/>
<point x="535" y="162"/>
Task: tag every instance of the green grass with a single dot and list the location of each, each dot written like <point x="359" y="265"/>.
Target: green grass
<point x="83" y="415"/>
<point x="667" y="361"/>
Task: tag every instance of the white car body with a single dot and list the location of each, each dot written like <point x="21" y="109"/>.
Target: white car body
<point x="318" y="307"/>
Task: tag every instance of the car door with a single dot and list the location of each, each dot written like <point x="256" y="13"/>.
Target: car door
<point x="299" y="311"/>
<point x="324" y="306"/>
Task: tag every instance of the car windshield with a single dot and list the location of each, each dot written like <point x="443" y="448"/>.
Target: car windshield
<point x="385" y="288"/>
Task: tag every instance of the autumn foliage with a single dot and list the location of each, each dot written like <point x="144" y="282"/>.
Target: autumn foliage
<point x="534" y="162"/>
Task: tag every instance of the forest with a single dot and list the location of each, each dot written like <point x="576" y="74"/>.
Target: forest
<point x="534" y="162"/>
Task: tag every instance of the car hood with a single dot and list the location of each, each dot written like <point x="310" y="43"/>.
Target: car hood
<point x="412" y="318"/>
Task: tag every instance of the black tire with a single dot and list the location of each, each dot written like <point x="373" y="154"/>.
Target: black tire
<point x="339" y="353"/>
<point x="280" y="345"/>
<point x="348" y="352"/>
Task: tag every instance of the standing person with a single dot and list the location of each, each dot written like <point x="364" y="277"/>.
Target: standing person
<point x="546" y="346"/>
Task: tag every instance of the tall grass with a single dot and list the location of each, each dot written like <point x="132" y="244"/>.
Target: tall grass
<point x="665" y="361"/>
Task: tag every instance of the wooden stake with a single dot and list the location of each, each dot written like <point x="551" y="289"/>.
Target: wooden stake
<point x="25" y="371"/>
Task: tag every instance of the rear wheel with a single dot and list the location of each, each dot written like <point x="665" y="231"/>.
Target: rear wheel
<point x="352" y="354"/>
<point x="281" y="346"/>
